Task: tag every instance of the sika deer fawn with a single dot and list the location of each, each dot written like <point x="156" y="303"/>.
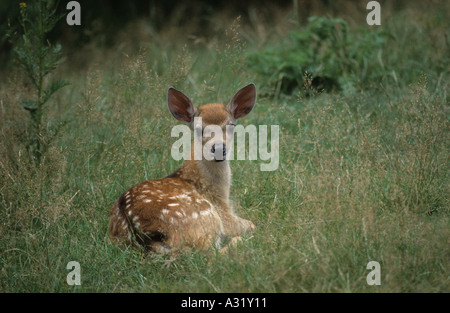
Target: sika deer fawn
<point x="189" y="208"/>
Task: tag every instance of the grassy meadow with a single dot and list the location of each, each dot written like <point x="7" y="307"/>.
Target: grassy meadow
<point x="363" y="172"/>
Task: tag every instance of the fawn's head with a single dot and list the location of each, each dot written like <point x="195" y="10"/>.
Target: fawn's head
<point x="213" y="118"/>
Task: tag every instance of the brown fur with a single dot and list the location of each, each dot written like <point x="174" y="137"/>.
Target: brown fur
<point x="189" y="208"/>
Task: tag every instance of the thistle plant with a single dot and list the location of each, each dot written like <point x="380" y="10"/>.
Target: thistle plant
<point x="38" y="58"/>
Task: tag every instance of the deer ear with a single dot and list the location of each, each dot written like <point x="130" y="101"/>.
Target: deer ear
<point x="180" y="105"/>
<point x="243" y="101"/>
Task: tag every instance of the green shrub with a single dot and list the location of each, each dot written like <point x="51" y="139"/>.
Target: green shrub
<point x="324" y="56"/>
<point x="38" y="58"/>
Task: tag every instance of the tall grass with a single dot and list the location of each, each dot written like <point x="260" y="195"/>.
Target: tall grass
<point x="362" y="177"/>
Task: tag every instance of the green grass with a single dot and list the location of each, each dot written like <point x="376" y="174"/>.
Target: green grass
<point x="362" y="176"/>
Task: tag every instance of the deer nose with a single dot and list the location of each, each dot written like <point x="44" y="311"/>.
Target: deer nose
<point x="219" y="151"/>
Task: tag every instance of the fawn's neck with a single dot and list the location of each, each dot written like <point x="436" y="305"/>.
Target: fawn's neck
<point x="211" y="178"/>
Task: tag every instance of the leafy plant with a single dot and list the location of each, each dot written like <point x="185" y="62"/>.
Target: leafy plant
<point x="38" y="58"/>
<point x="327" y="53"/>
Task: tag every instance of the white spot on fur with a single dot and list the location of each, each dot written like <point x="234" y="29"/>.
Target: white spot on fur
<point x="165" y="211"/>
<point x="205" y="213"/>
<point x="163" y="249"/>
<point x="173" y="204"/>
<point x="194" y="215"/>
<point x="209" y="203"/>
<point x="218" y="242"/>
<point x="147" y="200"/>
